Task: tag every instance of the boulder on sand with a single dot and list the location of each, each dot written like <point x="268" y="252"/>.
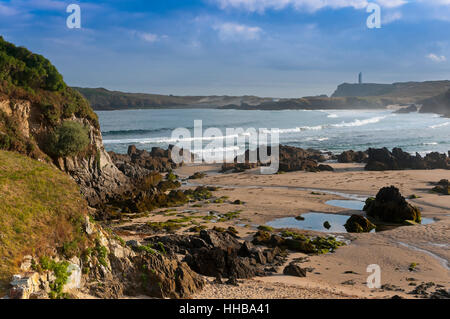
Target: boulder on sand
<point x="382" y="159"/>
<point x="352" y="157"/>
<point x="359" y="224"/>
<point x="390" y="206"/>
<point x="294" y="270"/>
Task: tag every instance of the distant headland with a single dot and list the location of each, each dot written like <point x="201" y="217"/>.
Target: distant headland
<point x="430" y="97"/>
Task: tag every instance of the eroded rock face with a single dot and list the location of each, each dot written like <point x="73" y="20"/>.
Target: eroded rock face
<point x="290" y="159"/>
<point x="219" y="254"/>
<point x="359" y="224"/>
<point x="94" y="171"/>
<point x="352" y="157"/>
<point x="111" y="271"/>
<point x="137" y="163"/>
<point x="390" y="206"/>
<point x="294" y="270"/>
<point x="383" y="159"/>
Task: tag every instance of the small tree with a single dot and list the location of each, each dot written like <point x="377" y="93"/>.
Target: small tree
<point x="68" y="139"/>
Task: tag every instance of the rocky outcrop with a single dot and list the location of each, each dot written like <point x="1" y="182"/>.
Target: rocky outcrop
<point x="294" y="270"/>
<point x="390" y="206"/>
<point x="96" y="174"/>
<point x="109" y="270"/>
<point x="290" y="159"/>
<point x="352" y="157"/>
<point x="359" y="224"/>
<point x="93" y="170"/>
<point x="442" y="187"/>
<point x="383" y="159"/>
<point x="409" y="109"/>
<point x="137" y="163"/>
<point x="439" y="104"/>
<point x="296" y="242"/>
<point x="219" y="254"/>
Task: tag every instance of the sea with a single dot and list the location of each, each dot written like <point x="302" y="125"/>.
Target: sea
<point x="326" y="130"/>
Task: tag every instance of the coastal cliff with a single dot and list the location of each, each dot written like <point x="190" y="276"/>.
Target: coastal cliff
<point x="51" y="150"/>
<point x="36" y="107"/>
<point x="439" y="104"/>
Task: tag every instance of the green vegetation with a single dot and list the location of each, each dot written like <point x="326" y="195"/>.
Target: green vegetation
<point x="28" y="76"/>
<point x="69" y="139"/>
<point x="265" y="228"/>
<point x="229" y="216"/>
<point x="147" y="248"/>
<point x="40" y="208"/>
<point x="325" y="245"/>
<point x="412" y="266"/>
<point x="297" y="242"/>
<point x="60" y="269"/>
<point x="31" y="77"/>
<point x="198" y="175"/>
<point x="23" y="68"/>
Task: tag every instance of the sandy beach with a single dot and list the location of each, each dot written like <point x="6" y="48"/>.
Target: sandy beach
<point x="342" y="274"/>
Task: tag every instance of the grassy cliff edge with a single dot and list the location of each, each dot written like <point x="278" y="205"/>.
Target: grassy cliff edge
<point x="41" y="209"/>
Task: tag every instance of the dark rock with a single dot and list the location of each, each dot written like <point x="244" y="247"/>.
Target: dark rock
<point x="325" y="168"/>
<point x="390" y="206"/>
<point x="422" y="289"/>
<point x="442" y="187"/>
<point x="352" y="157"/>
<point x="440" y="294"/>
<point x="350" y="282"/>
<point x="410" y="109"/>
<point x="294" y="270"/>
<point x="214" y="253"/>
<point x="290" y="159"/>
<point x="383" y="159"/>
<point x="359" y="224"/>
<point x="198" y="175"/>
<point x="232" y="281"/>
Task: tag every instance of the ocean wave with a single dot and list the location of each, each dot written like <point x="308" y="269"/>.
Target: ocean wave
<point x="132" y="132"/>
<point x="440" y="125"/>
<point x="171" y="140"/>
<point x="354" y="123"/>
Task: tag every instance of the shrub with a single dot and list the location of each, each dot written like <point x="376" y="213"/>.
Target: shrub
<point x="68" y="139"/>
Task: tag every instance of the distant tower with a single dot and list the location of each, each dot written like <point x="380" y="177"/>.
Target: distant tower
<point x="360" y="78"/>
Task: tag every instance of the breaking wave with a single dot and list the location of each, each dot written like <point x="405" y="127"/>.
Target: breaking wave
<point x="440" y="125"/>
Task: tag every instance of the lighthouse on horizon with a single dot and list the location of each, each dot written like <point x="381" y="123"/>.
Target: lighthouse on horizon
<point x="360" y="78"/>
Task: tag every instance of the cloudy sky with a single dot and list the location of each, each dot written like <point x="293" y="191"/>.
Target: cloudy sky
<point x="277" y="48"/>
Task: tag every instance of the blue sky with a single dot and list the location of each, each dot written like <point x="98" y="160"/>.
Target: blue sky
<point x="276" y="48"/>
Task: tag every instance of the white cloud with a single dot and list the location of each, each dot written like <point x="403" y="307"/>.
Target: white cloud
<point x="308" y="5"/>
<point x="436" y="58"/>
<point x="391" y="17"/>
<point x="148" y="37"/>
<point x="7" y="11"/>
<point x="391" y="3"/>
<point x="234" y="32"/>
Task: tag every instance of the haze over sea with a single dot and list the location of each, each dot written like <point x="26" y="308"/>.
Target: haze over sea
<point x="330" y="130"/>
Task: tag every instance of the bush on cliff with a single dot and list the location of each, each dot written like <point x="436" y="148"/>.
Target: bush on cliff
<point x="68" y="139"/>
<point x="28" y="76"/>
<point x="40" y="209"/>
